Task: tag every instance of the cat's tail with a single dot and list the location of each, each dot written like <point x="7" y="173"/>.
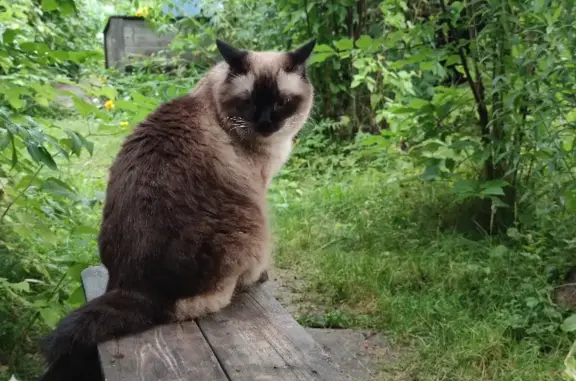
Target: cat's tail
<point x="71" y="349"/>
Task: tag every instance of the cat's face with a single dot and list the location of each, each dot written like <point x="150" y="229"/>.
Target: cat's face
<point x="265" y="95"/>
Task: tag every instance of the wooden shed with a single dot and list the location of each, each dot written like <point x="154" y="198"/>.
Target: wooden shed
<point x="129" y="37"/>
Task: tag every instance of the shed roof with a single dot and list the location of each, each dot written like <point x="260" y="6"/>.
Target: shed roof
<point x="120" y="17"/>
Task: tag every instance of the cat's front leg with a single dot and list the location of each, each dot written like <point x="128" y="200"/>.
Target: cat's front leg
<point x="244" y="285"/>
<point x="257" y="273"/>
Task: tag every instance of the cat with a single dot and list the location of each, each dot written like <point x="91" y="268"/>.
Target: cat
<point x="184" y="222"/>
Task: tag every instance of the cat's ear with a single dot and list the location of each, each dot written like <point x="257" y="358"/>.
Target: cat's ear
<point x="299" y="56"/>
<point x="235" y="57"/>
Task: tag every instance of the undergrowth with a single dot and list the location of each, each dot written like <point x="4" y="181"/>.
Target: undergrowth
<point x="50" y="260"/>
<point x="403" y="257"/>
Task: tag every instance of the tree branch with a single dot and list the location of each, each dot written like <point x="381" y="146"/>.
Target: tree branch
<point x="477" y="88"/>
<point x="20" y="194"/>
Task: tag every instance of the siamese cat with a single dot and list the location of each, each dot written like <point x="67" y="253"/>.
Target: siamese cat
<point x="185" y="217"/>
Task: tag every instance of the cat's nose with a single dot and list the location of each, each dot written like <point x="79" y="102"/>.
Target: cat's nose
<point x="264" y="117"/>
<point x="264" y="125"/>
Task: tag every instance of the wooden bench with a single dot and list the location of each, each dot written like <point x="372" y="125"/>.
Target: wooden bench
<point x="254" y="339"/>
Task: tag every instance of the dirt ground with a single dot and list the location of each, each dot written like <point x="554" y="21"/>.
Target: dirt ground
<point x="366" y="355"/>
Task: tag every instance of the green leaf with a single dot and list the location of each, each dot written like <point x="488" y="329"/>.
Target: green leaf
<point x="42" y="101"/>
<point x="108" y="92"/>
<point x="75" y="270"/>
<point x="74" y="142"/>
<point x="461" y="144"/>
<point x="59" y="188"/>
<point x="453" y="59"/>
<point x="374" y="99"/>
<point x="87" y="144"/>
<point x="5" y="141"/>
<point x="531" y="302"/>
<point x="83" y="107"/>
<point x="50" y="315"/>
<point x="431" y="172"/>
<point x="513" y="233"/>
<point x="126" y="105"/>
<point x="49" y="5"/>
<point x="570" y="198"/>
<point x="465" y="186"/>
<point x="323" y="48"/>
<point x="21" y="286"/>
<point x="497" y="203"/>
<point x="34" y="47"/>
<point x="493" y="187"/>
<point x="9" y="35"/>
<point x="569" y="325"/>
<point x="26" y="181"/>
<point x="77" y="298"/>
<point x="364" y="42"/>
<point x="60" y="55"/>
<point x="427" y="66"/>
<point x="344" y="44"/>
<point x="68" y="7"/>
<point x="88" y="230"/>
<point x="46" y="233"/>
<point x="41" y="155"/>
<point x="418" y="103"/>
<point x="320" y="57"/>
<point x="494" y="183"/>
<point x="492" y="191"/>
<point x="143" y="101"/>
<point x="15" y="101"/>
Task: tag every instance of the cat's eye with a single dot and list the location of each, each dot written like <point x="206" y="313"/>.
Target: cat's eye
<point x="282" y="102"/>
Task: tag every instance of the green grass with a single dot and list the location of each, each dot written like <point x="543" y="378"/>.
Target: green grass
<point x="374" y="254"/>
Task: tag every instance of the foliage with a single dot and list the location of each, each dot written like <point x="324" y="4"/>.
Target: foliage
<point x="441" y="152"/>
<point x="36" y="269"/>
<point x="43" y="47"/>
<point x="462" y="83"/>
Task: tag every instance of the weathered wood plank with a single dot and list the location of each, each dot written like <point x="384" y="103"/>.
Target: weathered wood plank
<point x="347" y="348"/>
<point x="94" y="281"/>
<point x="255" y="339"/>
<point x="176" y="352"/>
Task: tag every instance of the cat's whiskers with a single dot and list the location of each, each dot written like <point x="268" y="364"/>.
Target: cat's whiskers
<point x="239" y="126"/>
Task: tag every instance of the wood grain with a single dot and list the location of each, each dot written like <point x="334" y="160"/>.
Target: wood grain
<point x="175" y="352"/>
<point x="255" y="339"/>
<point x="94" y="281"/>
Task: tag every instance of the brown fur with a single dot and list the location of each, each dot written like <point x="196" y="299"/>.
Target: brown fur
<point x="184" y="222"/>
